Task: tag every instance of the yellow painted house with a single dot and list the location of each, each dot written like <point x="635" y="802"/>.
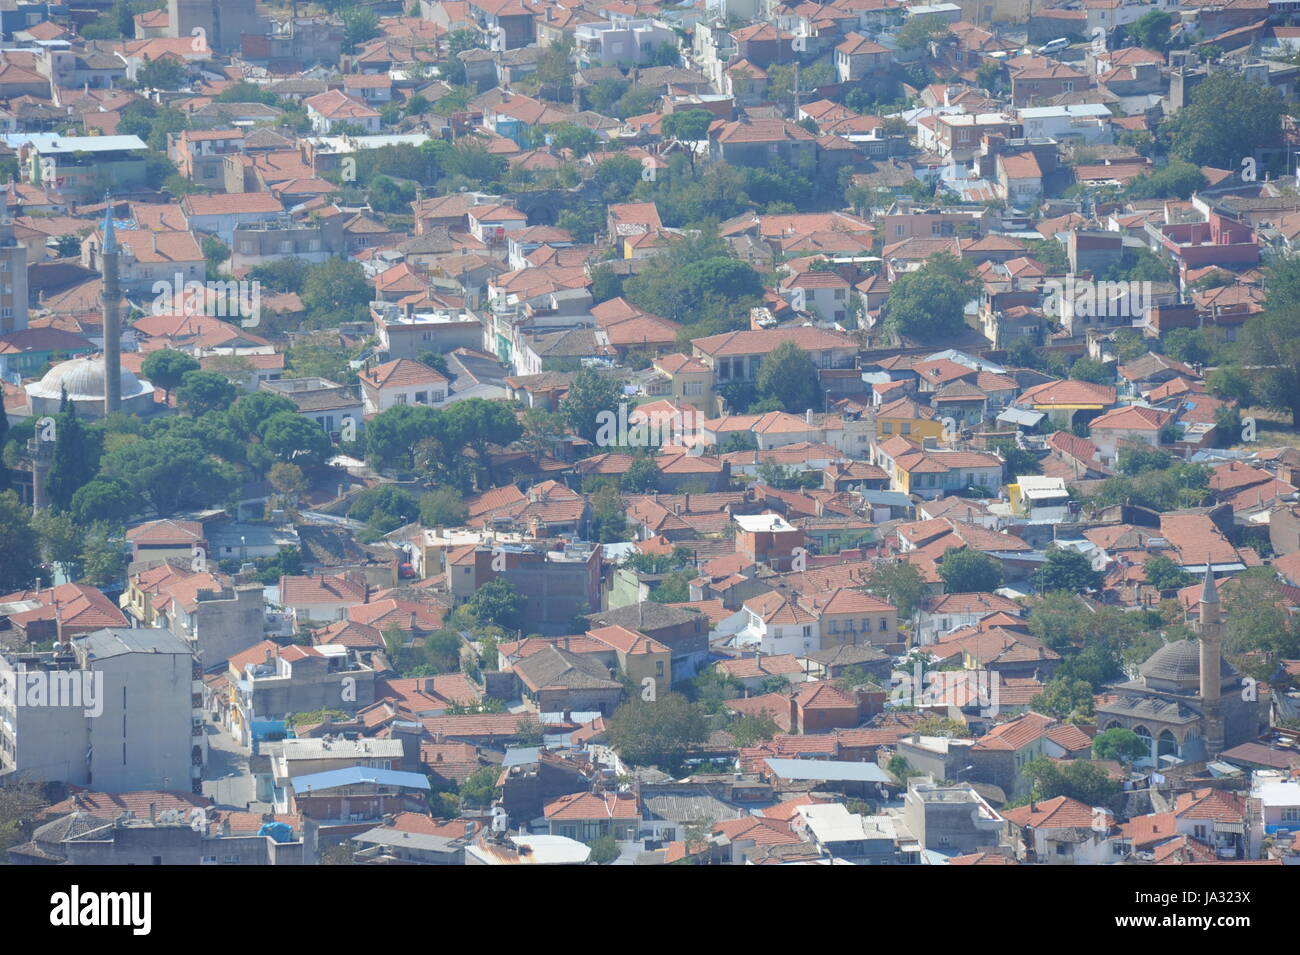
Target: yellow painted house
<point x="908" y="418"/>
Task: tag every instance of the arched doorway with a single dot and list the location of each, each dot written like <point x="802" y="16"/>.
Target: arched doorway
<point x="1144" y="735"/>
<point x="1166" y="745"/>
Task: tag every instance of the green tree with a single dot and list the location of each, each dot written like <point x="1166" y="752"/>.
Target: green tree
<point x="1163" y="574"/>
<point x="60" y="541"/>
<point x="1119" y="744"/>
<point x="294" y="439"/>
<point x="1016" y="461"/>
<point x="942" y="726"/>
<point x="202" y="391"/>
<point x="696" y="281"/>
<point x="359" y="25"/>
<point x="1228" y="113"/>
<point x="641" y="477"/>
<point x="901" y="584"/>
<point x="687" y="126"/>
<point x="477" y="423"/>
<point x="170" y="473"/>
<point x="385" y="508"/>
<point x="901" y="769"/>
<point x="1076" y="778"/>
<point x="1178" y="180"/>
<point x="103" y="556"/>
<point x="789" y="376"/>
<point x="751" y="728"/>
<point x="1067" y="569"/>
<point x="442" y="651"/>
<point x="1258" y="631"/>
<point x="248" y="413"/>
<point x="103" y="500"/>
<point x="1137" y="459"/>
<point x="590" y="394"/>
<point x="930" y="303"/>
<point x="555" y="70"/>
<point x="75" y="460"/>
<point x="608" y="516"/>
<point x="964" y="570"/>
<point x="480" y="788"/>
<point x="1151" y="30"/>
<point x="1188" y="345"/>
<point x="604" y="850"/>
<point x="1092" y="370"/>
<point x="165" y="368"/>
<point x="163" y="73"/>
<point x="391" y="436"/>
<point x="674" y="588"/>
<point x="1270" y="348"/>
<point x="20" y="803"/>
<point x="19" y="543"/>
<point x="579" y="139"/>
<point x="1063" y="697"/>
<point x="287" y="479"/>
<point x="335" y="291"/>
<point x="658" y="733"/>
<point x="498" y="603"/>
<point x="918" y="32"/>
<point x="443" y="507"/>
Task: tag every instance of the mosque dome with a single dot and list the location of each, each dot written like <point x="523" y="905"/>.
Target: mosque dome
<point x="83" y="380"/>
<point x="1179" y="662"/>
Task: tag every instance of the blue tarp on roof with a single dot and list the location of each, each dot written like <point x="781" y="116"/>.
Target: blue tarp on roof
<point x="355" y="775"/>
<point x="278" y="831"/>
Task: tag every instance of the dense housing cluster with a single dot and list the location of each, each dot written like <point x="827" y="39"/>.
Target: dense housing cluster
<point x="734" y="432"/>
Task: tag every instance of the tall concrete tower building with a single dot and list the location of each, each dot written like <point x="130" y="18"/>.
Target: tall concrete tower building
<point x="13" y="279"/>
<point x="1209" y="629"/>
<point x="222" y="22"/>
<point x="111" y="296"/>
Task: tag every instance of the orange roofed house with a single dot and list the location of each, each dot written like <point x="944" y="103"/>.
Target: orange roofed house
<point x="588" y="816"/>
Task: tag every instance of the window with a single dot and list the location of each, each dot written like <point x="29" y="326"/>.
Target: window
<point x="1062" y="849"/>
<point x="866" y="624"/>
<point x="421" y="397"/>
<point x="887" y="427"/>
<point x="1198" y="832"/>
<point x="1291" y="814"/>
<point x="884" y="624"/>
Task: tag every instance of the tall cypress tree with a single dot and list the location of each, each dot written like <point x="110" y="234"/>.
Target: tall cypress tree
<point x="75" y="461"/>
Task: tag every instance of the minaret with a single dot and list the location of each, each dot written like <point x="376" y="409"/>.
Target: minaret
<point x="42" y="455"/>
<point x="112" y="321"/>
<point x="1210" y="631"/>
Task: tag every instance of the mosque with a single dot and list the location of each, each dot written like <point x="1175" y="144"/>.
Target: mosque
<point x="1188" y="703"/>
<point x="98" y="385"/>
